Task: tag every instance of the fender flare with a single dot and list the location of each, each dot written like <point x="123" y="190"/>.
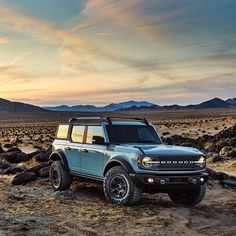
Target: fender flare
<point x="59" y="155"/>
<point x="118" y="161"/>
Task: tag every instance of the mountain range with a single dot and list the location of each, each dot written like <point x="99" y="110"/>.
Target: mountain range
<point x="110" y="107"/>
<point x="10" y="106"/>
<point x="143" y="105"/>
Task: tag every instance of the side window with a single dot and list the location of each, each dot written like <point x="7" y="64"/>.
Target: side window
<point x="77" y="134"/>
<point x="95" y="135"/>
<point x="62" y="131"/>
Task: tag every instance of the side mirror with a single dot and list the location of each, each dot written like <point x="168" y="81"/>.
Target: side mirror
<point x="98" y="140"/>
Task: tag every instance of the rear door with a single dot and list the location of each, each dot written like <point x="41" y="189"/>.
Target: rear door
<point x="92" y="155"/>
<point x="73" y="148"/>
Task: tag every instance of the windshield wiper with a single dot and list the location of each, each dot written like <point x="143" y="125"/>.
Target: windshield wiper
<point x="128" y="142"/>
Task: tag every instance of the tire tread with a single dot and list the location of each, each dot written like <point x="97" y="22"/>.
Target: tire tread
<point x="191" y="200"/>
<point x="65" y="176"/>
<point x="135" y="192"/>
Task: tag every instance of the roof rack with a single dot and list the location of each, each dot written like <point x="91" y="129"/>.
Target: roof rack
<point x="109" y="119"/>
<point x="83" y="118"/>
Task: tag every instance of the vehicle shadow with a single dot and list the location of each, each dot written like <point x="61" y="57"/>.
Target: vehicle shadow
<point x="94" y="190"/>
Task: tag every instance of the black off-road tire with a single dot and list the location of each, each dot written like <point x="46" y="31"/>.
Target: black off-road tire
<point x="189" y="198"/>
<point x="59" y="177"/>
<point x="132" y="194"/>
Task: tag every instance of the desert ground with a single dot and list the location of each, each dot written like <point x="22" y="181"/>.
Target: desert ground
<point x="34" y="209"/>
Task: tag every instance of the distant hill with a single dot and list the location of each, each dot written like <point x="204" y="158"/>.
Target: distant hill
<point x="80" y="108"/>
<point x="231" y="101"/>
<point x="172" y="107"/>
<point x="110" y="107"/>
<point x="9" y="106"/>
<point x="213" y="103"/>
<point x="135" y="108"/>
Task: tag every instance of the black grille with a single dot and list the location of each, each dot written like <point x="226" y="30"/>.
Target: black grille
<point x="177" y="163"/>
<point x="177" y="166"/>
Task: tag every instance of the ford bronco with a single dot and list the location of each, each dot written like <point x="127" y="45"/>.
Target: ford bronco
<point x="128" y="156"/>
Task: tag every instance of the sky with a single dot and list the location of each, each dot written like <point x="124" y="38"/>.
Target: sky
<point x="55" y="52"/>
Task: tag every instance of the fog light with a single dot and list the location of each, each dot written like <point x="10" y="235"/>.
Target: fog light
<point x="194" y="181"/>
<point x="202" y="179"/>
<point x="162" y="181"/>
<point x="150" y="180"/>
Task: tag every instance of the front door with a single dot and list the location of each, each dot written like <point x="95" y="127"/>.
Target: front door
<point x="92" y="155"/>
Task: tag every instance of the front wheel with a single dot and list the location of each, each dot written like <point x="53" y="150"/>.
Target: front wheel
<point x="189" y="198"/>
<point x="119" y="188"/>
<point x="59" y="177"/>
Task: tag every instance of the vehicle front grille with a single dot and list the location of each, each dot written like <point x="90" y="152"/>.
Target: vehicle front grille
<point x="177" y="163"/>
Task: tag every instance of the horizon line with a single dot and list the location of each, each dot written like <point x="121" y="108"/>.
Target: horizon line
<point x="125" y="101"/>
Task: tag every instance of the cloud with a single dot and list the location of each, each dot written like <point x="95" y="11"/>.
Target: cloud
<point x="212" y="84"/>
<point x="11" y="74"/>
<point x="80" y="54"/>
<point x="135" y="15"/>
<point x="113" y="49"/>
<point x="82" y="51"/>
<point x="128" y="88"/>
<point x="3" y="40"/>
<point x="15" y="20"/>
<point x="151" y="20"/>
<point x="183" y="92"/>
<point x="12" y="18"/>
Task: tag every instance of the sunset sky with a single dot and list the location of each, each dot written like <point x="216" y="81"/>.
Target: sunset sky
<point x="101" y="51"/>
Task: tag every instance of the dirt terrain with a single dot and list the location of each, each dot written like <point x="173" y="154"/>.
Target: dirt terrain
<point x="34" y="209"/>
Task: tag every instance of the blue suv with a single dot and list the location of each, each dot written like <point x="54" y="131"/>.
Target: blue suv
<point x="128" y="156"/>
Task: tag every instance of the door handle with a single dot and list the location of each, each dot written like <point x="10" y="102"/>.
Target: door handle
<point x="84" y="150"/>
<point x="67" y="148"/>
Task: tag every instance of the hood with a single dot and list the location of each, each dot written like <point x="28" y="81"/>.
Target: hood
<point x="167" y="150"/>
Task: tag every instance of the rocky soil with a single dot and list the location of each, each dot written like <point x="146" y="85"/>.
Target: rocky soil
<point x="33" y="209"/>
<point x="28" y="206"/>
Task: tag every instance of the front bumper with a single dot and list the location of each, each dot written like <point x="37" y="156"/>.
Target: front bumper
<point x="166" y="183"/>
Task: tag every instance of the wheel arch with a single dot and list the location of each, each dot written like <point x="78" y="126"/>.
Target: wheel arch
<point x="59" y="156"/>
<point x="118" y="161"/>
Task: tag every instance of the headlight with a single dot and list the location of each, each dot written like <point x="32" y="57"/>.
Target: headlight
<point x="147" y="162"/>
<point x="201" y="162"/>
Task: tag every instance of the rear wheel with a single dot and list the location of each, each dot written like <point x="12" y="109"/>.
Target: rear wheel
<point x="189" y="198"/>
<point x="59" y="177"/>
<point x="119" y="188"/>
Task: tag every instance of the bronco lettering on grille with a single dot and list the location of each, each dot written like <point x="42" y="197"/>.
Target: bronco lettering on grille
<point x="177" y="162"/>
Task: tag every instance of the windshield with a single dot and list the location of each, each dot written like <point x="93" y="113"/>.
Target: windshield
<point x="132" y="134"/>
